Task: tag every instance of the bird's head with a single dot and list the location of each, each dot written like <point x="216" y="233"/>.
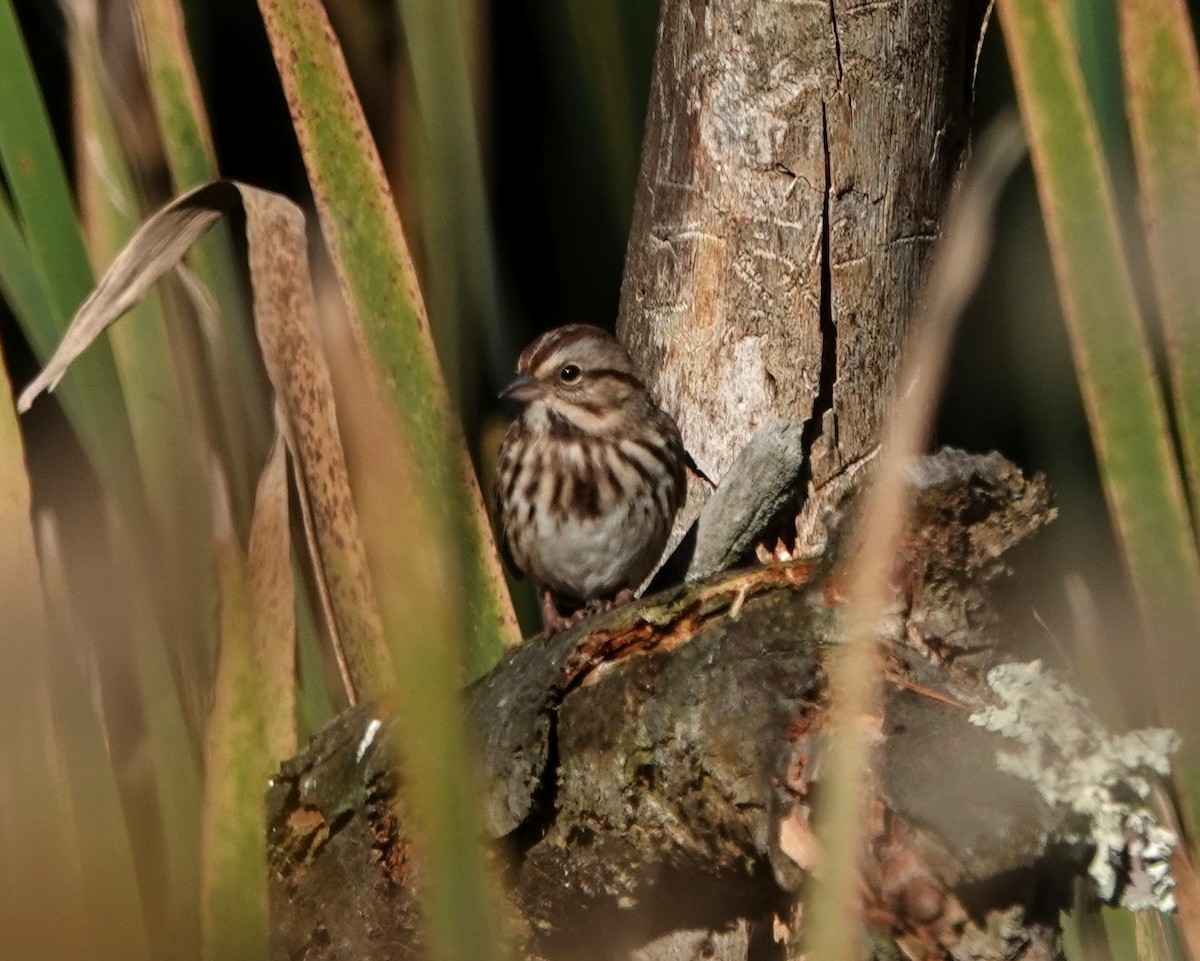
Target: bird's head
<point x="578" y="373"/>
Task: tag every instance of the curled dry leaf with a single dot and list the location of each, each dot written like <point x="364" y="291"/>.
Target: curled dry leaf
<point x="284" y="317"/>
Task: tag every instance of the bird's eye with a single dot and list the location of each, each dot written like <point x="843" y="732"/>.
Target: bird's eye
<point x="569" y="374"/>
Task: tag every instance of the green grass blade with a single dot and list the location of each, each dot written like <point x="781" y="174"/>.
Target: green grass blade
<point x="1118" y="927"/>
<point x="172" y="753"/>
<point x="1109" y="344"/>
<point x="37" y="180"/>
<point x="273" y="604"/>
<point x="285" y="321"/>
<point x="175" y="94"/>
<point x="1093" y="26"/>
<point x="44" y="209"/>
<point x="1162" y="84"/>
<point x="157" y="364"/>
<point x="365" y="238"/>
<point x="19" y="283"/>
<point x="253" y="722"/>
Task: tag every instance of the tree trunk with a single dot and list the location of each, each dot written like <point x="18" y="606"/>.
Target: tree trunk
<point x="795" y="162"/>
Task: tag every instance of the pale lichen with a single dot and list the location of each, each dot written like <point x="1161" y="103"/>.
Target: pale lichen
<point x="1102" y="779"/>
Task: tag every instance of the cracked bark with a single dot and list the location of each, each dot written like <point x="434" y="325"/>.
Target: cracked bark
<point x="795" y="162"/>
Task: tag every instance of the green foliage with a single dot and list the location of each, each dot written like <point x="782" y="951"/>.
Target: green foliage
<point x="1112" y="352"/>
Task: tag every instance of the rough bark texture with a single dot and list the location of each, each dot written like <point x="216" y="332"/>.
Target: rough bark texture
<point x="795" y="161"/>
<point x="649" y="774"/>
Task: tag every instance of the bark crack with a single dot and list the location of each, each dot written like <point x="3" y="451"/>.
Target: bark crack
<point x="827" y="375"/>
<point x="837" y="48"/>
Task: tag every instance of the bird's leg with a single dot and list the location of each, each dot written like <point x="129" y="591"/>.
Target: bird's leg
<point x="552" y="620"/>
<point x="624" y="596"/>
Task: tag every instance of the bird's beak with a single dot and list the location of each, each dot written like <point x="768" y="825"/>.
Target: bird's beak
<point x="522" y="390"/>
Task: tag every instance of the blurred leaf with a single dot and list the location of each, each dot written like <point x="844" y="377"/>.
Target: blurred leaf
<point x="109" y="213"/>
<point x="1187" y="883"/>
<point x="273" y="603"/>
<point x="1157" y="938"/>
<point x="170" y="624"/>
<point x="599" y="42"/>
<point x="253" y="723"/>
<point x="285" y="322"/>
<point x="68" y="881"/>
<point x="233" y="832"/>
<point x="34" y="832"/>
<point x="175" y="91"/>
<point x="171" y="753"/>
<point x="46" y="216"/>
<point x="70" y="886"/>
<point x="461" y="905"/>
<point x="105" y="830"/>
<point x="1119" y="928"/>
<point x="18" y="275"/>
<point x="365" y="238"/>
<point x="1162" y="82"/>
<point x="1121" y="394"/>
<point x="1084" y="936"/>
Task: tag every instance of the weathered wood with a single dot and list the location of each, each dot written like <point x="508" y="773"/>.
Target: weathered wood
<point x="795" y="161"/>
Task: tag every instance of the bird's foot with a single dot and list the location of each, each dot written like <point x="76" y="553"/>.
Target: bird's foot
<point x="622" y="597"/>
<point x="554" y="620"/>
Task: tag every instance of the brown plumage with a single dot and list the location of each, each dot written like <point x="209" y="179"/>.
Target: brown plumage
<point x="591" y="473"/>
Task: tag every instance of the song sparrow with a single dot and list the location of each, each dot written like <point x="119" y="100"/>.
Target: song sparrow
<point x="590" y="474"/>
